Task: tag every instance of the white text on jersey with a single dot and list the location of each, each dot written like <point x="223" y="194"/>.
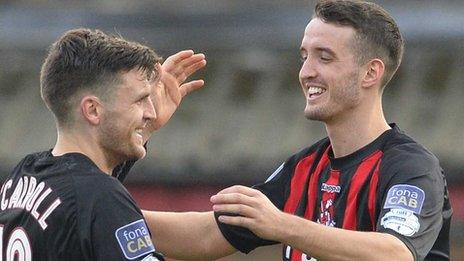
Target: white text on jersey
<point x="28" y="195"/>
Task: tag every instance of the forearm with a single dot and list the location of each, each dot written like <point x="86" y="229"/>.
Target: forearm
<point x="329" y="243"/>
<point x="188" y="235"/>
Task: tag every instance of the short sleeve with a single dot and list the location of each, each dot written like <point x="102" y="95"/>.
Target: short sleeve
<point x="274" y="188"/>
<point x="112" y="224"/>
<point x="412" y="204"/>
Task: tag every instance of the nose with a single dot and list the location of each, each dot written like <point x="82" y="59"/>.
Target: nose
<point x="308" y="69"/>
<point x="149" y="112"/>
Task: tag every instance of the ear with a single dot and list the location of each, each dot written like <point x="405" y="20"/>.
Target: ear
<point x="373" y="76"/>
<point x="91" y="108"/>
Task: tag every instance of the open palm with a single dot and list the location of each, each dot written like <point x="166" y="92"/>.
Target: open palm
<point x="170" y="89"/>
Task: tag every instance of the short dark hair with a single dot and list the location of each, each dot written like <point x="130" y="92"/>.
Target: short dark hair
<point x="89" y="60"/>
<point x="378" y="35"/>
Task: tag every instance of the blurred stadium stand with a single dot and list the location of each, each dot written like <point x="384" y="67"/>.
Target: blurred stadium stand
<point x="248" y="118"/>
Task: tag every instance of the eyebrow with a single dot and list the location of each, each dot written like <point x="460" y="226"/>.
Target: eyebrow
<point x="327" y="50"/>
<point x="320" y="49"/>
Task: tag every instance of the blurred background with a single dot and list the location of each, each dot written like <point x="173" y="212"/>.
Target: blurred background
<point x="249" y="117"/>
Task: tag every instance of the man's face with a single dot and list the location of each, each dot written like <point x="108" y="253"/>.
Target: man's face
<point x="126" y="116"/>
<point x="329" y="74"/>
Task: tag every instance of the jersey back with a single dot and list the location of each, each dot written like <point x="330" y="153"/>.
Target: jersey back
<point x="65" y="208"/>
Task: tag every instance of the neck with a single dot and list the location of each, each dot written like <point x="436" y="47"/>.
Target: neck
<point x="83" y="142"/>
<point x="356" y="130"/>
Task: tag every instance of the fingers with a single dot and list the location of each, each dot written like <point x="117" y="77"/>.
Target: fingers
<point x="178" y="57"/>
<point x="238" y="209"/>
<point x="193" y="67"/>
<point x="236" y="221"/>
<point x="233" y="198"/>
<point x="240" y="189"/>
<point x="192" y="60"/>
<point x="187" y="67"/>
<point x="189" y="87"/>
<point x="183" y="64"/>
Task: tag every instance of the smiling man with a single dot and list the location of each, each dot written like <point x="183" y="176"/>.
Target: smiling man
<point x="107" y="95"/>
<point x="366" y="192"/>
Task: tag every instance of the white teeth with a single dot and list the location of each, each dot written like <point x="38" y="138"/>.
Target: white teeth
<point x="314" y="90"/>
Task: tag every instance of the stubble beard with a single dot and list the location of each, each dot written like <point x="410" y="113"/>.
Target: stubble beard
<point x="117" y="145"/>
<point x="344" y="97"/>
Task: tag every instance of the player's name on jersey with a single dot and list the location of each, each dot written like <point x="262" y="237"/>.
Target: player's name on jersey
<point x="29" y="195"/>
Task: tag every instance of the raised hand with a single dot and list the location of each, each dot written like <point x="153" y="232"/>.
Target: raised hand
<point x="171" y="88"/>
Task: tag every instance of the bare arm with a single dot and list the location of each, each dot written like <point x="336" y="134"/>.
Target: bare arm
<point x="327" y="243"/>
<point x="187" y="235"/>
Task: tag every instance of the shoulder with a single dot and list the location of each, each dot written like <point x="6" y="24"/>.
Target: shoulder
<point x="28" y="163"/>
<point x="87" y="176"/>
<point x="102" y="199"/>
<point x="91" y="187"/>
<point x="407" y="163"/>
<point x="97" y="187"/>
<point x="403" y="154"/>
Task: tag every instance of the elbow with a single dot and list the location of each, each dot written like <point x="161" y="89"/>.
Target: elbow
<point x="398" y="250"/>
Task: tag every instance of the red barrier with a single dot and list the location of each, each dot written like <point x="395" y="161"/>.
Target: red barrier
<point x="196" y="198"/>
<point x="173" y="198"/>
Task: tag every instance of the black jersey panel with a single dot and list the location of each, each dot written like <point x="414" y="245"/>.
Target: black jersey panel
<point x="412" y="190"/>
<point x="110" y="220"/>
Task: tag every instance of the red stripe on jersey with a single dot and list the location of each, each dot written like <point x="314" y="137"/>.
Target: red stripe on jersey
<point x="297" y="184"/>
<point x="313" y="189"/>
<point x="358" y="180"/>
<point x="312" y="195"/>
<point x="372" y="197"/>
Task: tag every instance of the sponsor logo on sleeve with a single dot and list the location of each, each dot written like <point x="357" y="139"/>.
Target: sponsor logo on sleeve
<point x="134" y="239"/>
<point x="406" y="197"/>
<point x="404" y="202"/>
<point x="402" y="221"/>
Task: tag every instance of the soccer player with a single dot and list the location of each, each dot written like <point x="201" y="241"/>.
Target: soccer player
<point x="366" y="192"/>
<point x="107" y="95"/>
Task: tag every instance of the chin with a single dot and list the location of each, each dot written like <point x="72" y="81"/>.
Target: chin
<point x="136" y="153"/>
<point x="141" y="156"/>
<point x="314" y="115"/>
<point x="140" y="153"/>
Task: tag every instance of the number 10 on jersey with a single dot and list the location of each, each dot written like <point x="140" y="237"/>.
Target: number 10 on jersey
<point x="18" y="246"/>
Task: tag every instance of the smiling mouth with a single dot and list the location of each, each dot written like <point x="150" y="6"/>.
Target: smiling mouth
<point x="139" y="132"/>
<point x="314" y="92"/>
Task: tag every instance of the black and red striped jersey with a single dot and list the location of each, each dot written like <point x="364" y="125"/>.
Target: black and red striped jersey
<point x="393" y="185"/>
